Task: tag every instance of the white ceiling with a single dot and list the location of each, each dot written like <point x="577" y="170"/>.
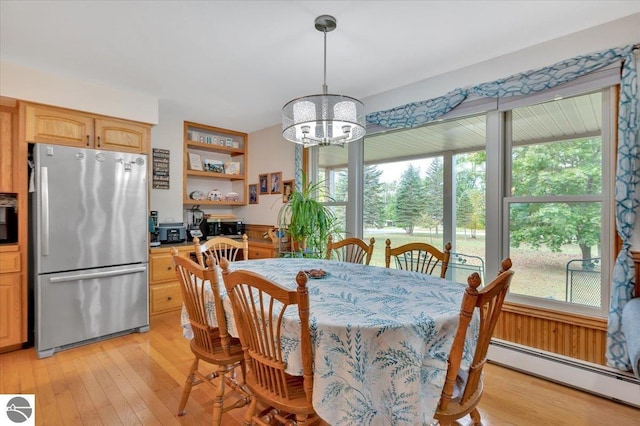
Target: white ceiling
<point x="234" y="64"/>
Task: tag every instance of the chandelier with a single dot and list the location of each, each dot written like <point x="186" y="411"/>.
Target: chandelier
<point x="323" y="119"/>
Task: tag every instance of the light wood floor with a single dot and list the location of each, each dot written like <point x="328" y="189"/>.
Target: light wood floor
<point x="138" y="378"/>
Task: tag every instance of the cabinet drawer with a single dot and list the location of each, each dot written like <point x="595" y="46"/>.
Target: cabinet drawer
<point x="162" y="268"/>
<point x="165" y="297"/>
<point x="260" y="252"/>
<point x="10" y="261"/>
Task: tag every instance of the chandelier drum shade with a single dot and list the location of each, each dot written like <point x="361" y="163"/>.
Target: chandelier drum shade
<point x="323" y="119"/>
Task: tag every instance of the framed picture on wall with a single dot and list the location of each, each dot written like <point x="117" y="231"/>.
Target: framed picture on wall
<point x="287" y="189"/>
<point x="253" y="193"/>
<point x="263" y="180"/>
<point x="275" y="182"/>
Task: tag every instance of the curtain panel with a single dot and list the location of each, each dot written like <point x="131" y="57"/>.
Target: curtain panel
<point x="628" y="154"/>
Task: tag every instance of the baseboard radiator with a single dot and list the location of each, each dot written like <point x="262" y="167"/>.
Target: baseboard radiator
<point x="594" y="378"/>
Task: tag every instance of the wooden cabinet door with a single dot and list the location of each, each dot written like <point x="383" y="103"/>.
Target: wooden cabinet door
<point x="10" y="310"/>
<point x="7" y="152"/>
<point x="57" y="126"/>
<point x="120" y="135"/>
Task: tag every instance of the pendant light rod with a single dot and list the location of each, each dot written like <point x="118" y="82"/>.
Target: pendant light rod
<point x="325" y="24"/>
<point x="324" y="83"/>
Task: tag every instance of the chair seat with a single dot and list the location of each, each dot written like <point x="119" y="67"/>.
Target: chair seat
<point x="456" y="410"/>
<point x="217" y="355"/>
<point x="297" y="402"/>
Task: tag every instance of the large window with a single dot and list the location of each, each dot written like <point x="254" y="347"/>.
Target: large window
<point x="557" y="201"/>
<point x="532" y="182"/>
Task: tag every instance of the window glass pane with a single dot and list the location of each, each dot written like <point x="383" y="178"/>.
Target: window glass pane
<point x="469" y="250"/>
<point x="556" y="251"/>
<point x="571" y="167"/>
<point x="557" y="147"/>
<point x="404" y="200"/>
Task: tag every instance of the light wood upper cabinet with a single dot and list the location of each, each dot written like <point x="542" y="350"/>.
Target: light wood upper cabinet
<point x="66" y="127"/>
<point x="8" y="151"/>
<point x="52" y="125"/>
<point x="121" y="135"/>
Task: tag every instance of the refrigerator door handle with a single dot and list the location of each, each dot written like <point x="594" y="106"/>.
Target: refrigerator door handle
<point x="44" y="200"/>
<point x="78" y="277"/>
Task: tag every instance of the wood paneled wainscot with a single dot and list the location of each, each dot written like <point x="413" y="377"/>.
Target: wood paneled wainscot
<point x="46" y="124"/>
<point x="572" y="335"/>
<point x="164" y="289"/>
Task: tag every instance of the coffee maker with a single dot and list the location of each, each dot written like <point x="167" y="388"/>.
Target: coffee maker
<point x="196" y="223"/>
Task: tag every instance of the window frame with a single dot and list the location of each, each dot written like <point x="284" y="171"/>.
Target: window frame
<point x="605" y="198"/>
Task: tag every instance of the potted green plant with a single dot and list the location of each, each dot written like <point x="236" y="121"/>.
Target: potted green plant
<point x="307" y="221"/>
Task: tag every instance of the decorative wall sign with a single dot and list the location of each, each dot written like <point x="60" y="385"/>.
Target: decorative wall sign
<point x="160" y="168"/>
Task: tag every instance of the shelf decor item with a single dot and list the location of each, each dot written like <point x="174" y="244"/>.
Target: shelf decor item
<point x="195" y="162"/>
<point x="232" y="167"/>
<point x="215" y="166"/>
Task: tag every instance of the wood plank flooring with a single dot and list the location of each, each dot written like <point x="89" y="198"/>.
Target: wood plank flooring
<point x="137" y="380"/>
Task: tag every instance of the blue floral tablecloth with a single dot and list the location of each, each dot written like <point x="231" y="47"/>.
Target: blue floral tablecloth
<point x="381" y="338"/>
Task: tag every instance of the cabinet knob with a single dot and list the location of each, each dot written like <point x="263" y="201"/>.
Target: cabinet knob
<point x="99" y="142"/>
<point x="169" y="268"/>
<point x="88" y="142"/>
<point x="169" y="298"/>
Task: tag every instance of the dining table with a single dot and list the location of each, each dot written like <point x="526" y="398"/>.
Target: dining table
<point x="381" y="337"/>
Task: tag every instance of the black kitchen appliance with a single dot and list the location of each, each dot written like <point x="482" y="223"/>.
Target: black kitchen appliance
<point x="225" y="228"/>
<point x="8" y="218"/>
<point x="195" y="221"/>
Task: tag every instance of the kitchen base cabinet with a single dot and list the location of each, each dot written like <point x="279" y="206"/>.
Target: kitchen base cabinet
<point x="12" y="303"/>
<point x="260" y="250"/>
<point x="164" y="289"/>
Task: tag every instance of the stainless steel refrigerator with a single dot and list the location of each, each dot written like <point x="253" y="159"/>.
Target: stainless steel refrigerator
<point x="90" y="250"/>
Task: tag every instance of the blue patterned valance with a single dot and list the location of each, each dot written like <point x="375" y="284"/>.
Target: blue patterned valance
<point x="418" y="113"/>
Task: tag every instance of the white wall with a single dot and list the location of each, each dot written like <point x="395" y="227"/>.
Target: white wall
<point x="28" y="84"/>
<point x="613" y="34"/>
<point x="268" y="152"/>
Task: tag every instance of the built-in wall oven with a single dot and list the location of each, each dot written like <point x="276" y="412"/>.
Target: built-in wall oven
<point x="8" y="219"/>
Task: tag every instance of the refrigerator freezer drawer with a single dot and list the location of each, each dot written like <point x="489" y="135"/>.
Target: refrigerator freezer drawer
<point x="72" y="307"/>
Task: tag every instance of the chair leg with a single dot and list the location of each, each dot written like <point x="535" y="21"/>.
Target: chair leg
<point x="301" y="419"/>
<point x="475" y="417"/>
<point x="191" y="378"/>
<point x="218" y="401"/>
<point x="248" y="416"/>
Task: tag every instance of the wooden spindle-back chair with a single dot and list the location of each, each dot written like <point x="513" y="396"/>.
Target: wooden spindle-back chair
<point x="219" y="247"/>
<point x="419" y="257"/>
<point x="456" y="403"/>
<point x="352" y="250"/>
<point x="211" y="344"/>
<point x="259" y="306"/>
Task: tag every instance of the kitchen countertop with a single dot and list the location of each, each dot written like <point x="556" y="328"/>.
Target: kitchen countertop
<point x="166" y="247"/>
